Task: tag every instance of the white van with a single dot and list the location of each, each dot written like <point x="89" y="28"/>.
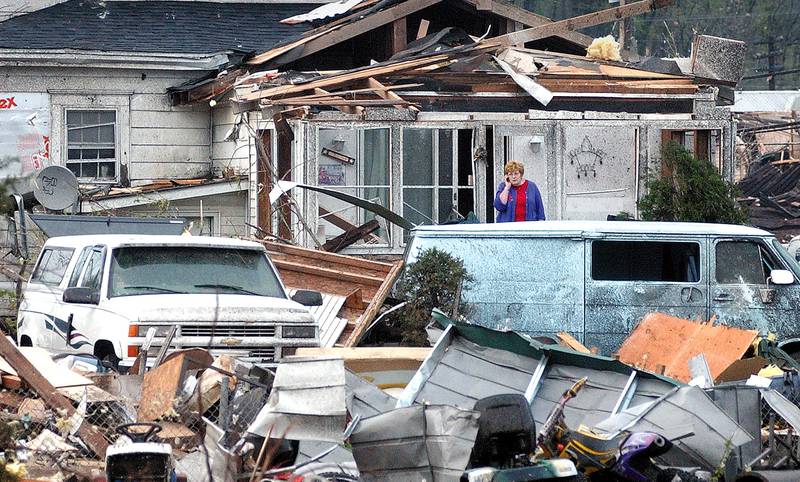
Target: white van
<point x="597" y="279"/>
<point x="101" y="294"/>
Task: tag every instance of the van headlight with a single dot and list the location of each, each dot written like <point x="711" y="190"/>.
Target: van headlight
<point x="298" y="331"/>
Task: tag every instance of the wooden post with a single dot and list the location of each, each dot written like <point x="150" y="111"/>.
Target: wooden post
<point x="25" y="369"/>
<point x="621" y="28"/>
<point x="399" y="35"/>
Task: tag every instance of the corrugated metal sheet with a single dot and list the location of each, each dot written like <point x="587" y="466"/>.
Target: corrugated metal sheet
<point x="330" y="325"/>
<point x="713" y="430"/>
<point x="766" y="101"/>
<point x="471" y="362"/>
<point x="307" y="401"/>
<point x="423" y="442"/>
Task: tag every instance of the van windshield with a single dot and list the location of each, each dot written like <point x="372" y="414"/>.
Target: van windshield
<point x="180" y="269"/>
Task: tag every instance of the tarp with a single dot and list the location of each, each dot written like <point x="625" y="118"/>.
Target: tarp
<point x="307" y="401"/>
<point x="423" y="442"/>
<point x="713" y="429"/>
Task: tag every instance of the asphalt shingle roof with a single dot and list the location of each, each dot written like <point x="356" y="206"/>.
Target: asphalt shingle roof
<point x="153" y="26"/>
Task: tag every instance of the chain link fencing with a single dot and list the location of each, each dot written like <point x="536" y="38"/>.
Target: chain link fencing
<point x="51" y="445"/>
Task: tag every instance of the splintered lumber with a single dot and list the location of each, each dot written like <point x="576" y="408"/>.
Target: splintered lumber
<point x="385" y="93"/>
<point x="663" y="342"/>
<point x="340" y="275"/>
<point x="47" y="392"/>
<point x="579" y="22"/>
<point x="350" y="236"/>
<point x="571" y="342"/>
<point x="344" y="108"/>
<point x="371" y="359"/>
<point x="340" y="79"/>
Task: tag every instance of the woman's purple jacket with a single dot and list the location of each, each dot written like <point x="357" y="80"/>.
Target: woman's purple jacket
<point x="534" y="209"/>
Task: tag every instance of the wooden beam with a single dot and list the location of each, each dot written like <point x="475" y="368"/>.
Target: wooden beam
<point x="356" y="75"/>
<point x="574" y="23"/>
<point x="329" y="273"/>
<point x="399" y="35"/>
<point x="342" y="107"/>
<point x="88" y="433"/>
<point x="528" y="18"/>
<point x="340" y="222"/>
<point x="351" y="236"/>
<point x="358" y="27"/>
<point x="290" y="250"/>
<point x="383" y="92"/>
<point x="375" y="305"/>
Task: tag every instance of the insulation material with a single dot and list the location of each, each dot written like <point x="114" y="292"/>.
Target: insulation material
<point x="307" y="401"/>
<point x="714" y="431"/>
<point x="604" y="48"/>
<point x="422" y="442"/>
<point x="663" y="340"/>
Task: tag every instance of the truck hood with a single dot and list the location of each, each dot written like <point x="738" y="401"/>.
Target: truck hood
<point x="208" y="308"/>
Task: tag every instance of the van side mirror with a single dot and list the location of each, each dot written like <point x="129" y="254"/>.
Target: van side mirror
<point x="308" y="297"/>
<point x="781" y="277"/>
<point x="86" y="296"/>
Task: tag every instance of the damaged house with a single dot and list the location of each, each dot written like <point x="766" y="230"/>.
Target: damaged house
<point x="416" y="105"/>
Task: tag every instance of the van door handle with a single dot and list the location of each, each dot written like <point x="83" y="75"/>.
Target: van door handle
<point x="724" y="297"/>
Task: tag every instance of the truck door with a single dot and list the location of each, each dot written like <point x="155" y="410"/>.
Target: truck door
<point x="78" y="318"/>
<point x="628" y="278"/>
<point x="740" y="295"/>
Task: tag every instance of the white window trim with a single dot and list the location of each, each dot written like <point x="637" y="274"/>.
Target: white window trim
<point x="120" y="103"/>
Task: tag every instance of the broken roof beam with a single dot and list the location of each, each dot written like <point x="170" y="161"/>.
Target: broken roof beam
<point x="383" y="92"/>
<point x="356" y="28"/>
<point x="347" y="109"/>
<point x="574" y="23"/>
<point x="526" y="17"/>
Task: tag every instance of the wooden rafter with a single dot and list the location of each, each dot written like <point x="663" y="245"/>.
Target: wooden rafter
<point x="344" y="107"/>
<point x="574" y="23"/>
<point x="385" y="93"/>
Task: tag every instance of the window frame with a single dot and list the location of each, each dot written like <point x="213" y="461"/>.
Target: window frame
<point x="763" y="247"/>
<point x="117" y="145"/>
<point x="695" y="242"/>
<point x="45" y="251"/>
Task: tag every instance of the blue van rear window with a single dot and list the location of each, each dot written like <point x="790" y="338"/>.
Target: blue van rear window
<point x="666" y="261"/>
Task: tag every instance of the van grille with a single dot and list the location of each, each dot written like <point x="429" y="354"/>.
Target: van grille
<point x="227" y="330"/>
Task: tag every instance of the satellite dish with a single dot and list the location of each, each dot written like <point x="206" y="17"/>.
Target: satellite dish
<point x="55" y="187"/>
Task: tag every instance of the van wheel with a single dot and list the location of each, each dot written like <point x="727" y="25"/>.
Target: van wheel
<point x="110" y="360"/>
<point x="25" y="340"/>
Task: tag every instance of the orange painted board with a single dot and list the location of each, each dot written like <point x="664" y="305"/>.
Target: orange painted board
<point x="661" y="339"/>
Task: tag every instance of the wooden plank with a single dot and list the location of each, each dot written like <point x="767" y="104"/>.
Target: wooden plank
<point x="331" y="273"/>
<point x="399" y="35"/>
<point x="56" y="375"/>
<point x="423" y="28"/>
<point x="349" y="237"/>
<point x="342" y="107"/>
<point x="340" y="102"/>
<point x="361" y="359"/>
<point x="352" y="76"/>
<point x="337" y="221"/>
<point x="385" y="93"/>
<point x="571" y="342"/>
<point x="331" y="257"/>
<point x="159" y="388"/>
<point x="528" y="18"/>
<point x="365" y="24"/>
<point x="579" y="22"/>
<point x="374" y="306"/>
<point x="47" y="392"/>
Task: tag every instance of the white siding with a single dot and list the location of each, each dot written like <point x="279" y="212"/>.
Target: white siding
<point x="231" y="155"/>
<point x="156" y="140"/>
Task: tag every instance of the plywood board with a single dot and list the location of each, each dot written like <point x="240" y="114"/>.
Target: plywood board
<point x="159" y="388"/>
<point x="661" y="339"/>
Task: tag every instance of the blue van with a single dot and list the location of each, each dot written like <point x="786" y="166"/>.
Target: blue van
<point x="597" y="279"/>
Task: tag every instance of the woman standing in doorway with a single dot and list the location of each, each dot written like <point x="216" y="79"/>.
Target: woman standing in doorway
<point x="517" y="198"/>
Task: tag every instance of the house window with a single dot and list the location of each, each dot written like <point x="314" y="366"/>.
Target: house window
<point x="354" y="162"/>
<point x="437" y="175"/>
<point x="646" y="261"/>
<point x="92" y="144"/>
